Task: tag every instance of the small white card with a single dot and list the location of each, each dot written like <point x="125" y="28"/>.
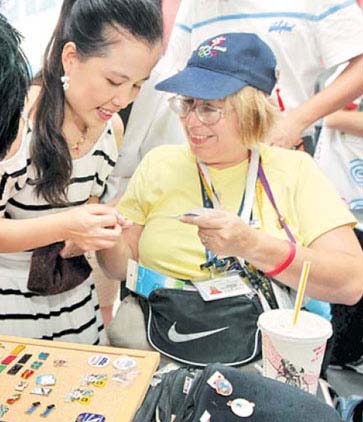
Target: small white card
<point x="188" y="382"/>
<point x="222" y="287"/>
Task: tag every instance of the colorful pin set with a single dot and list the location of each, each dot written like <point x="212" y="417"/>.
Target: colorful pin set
<point x="27" y="365"/>
<point x="127" y="372"/>
<point x="7" y="364"/>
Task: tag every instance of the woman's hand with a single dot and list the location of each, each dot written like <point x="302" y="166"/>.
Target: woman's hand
<point x="93" y="226"/>
<point x="222" y="232"/>
<point x="286" y="133"/>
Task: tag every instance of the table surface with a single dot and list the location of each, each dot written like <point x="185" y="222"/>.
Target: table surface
<point x="116" y="401"/>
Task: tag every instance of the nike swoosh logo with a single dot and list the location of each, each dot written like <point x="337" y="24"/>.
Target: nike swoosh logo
<point x="176" y="337"/>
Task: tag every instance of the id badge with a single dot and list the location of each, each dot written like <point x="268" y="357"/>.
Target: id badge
<point x="224" y="285"/>
<point x="143" y="281"/>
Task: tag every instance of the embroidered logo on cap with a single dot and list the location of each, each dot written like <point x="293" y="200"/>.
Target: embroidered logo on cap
<point x="213" y="48"/>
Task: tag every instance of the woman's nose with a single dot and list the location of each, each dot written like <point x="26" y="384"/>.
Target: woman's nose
<point x="192" y="119"/>
<point x="120" y="101"/>
<point x="124" y="97"/>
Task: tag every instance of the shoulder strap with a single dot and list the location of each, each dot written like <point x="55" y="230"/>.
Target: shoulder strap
<point x="251" y="185"/>
<point x="270" y="196"/>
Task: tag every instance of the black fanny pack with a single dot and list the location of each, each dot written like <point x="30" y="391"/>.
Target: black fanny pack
<point x="185" y="328"/>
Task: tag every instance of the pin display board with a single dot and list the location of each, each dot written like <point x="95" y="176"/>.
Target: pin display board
<point x="114" y="393"/>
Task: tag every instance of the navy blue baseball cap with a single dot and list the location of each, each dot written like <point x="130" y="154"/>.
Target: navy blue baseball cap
<point x="224" y="64"/>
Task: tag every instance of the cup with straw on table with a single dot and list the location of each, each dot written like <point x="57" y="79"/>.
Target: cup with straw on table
<point x="294" y="341"/>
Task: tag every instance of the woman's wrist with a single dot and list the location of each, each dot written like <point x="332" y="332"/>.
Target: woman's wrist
<point x="285" y="263"/>
<point x="57" y="227"/>
<point x="114" y="260"/>
<point x="249" y="241"/>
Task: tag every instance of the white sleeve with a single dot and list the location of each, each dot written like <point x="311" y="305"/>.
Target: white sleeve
<point x="338" y="31"/>
<point x="179" y="46"/>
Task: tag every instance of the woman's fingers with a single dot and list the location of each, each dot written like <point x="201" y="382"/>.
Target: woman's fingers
<point x="70" y="250"/>
<point x="109" y="216"/>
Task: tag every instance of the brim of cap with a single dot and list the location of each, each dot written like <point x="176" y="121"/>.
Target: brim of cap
<point x="198" y="82"/>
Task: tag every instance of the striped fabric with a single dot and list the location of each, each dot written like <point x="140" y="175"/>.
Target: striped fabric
<point x="73" y="316"/>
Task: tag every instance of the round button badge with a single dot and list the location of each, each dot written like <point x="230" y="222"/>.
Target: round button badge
<point x="124" y="363"/>
<point x="241" y="407"/>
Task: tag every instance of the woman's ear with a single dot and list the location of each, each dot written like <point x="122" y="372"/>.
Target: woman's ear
<point x="69" y="56"/>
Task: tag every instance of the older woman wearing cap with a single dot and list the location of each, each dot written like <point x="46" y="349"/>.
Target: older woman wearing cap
<point x="268" y="206"/>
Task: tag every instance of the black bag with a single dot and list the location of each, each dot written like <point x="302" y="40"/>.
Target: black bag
<point x="185" y="328"/>
<point x="272" y="400"/>
<point x="167" y="396"/>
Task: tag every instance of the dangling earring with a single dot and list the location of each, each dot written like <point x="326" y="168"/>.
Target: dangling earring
<point x="65" y="82"/>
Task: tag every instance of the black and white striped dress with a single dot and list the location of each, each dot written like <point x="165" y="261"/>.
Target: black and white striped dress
<point x="72" y="316"/>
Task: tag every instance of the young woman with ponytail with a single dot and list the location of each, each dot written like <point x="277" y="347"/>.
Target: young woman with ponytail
<point x="99" y="55"/>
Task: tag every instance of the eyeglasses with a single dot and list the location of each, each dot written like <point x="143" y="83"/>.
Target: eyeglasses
<point x="206" y="113"/>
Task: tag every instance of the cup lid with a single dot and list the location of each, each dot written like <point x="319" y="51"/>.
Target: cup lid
<point x="309" y="326"/>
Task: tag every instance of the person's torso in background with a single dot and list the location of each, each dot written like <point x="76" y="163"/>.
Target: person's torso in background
<point x="340" y="156"/>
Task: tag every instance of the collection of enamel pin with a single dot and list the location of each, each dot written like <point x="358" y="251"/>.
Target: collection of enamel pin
<point x="28" y="367"/>
<point x="239" y="406"/>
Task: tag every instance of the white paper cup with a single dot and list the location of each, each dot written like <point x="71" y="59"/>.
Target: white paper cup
<point x="291" y="354"/>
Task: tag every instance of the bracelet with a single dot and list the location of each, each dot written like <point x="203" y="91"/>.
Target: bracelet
<point x="286" y="263"/>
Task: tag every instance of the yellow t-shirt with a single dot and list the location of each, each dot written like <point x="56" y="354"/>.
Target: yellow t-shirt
<point x="167" y="182"/>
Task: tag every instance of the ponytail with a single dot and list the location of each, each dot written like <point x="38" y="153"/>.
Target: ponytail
<point x="50" y="152"/>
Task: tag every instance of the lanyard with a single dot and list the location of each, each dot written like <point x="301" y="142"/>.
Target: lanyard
<point x="211" y="200"/>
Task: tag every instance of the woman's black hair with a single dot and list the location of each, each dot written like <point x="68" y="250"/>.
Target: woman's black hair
<point x="84" y="22"/>
<point x="14" y="83"/>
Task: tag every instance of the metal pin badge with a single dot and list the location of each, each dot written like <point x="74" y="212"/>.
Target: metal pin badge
<point x="47" y="410"/>
<point x="3" y="410"/>
<point x="220" y="384"/>
<point x="43" y="356"/>
<point x="97" y="380"/>
<point x="36" y="364"/>
<point x="21" y="386"/>
<point x="60" y="363"/>
<point x="41" y="391"/>
<point x="241" y="407"/>
<point x="99" y="361"/>
<point x="15" y="397"/>
<point x="31" y="409"/>
<point x="224" y="387"/>
<point x="46" y="380"/>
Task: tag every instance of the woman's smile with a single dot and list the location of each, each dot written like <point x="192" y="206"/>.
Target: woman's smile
<point x="200" y="139"/>
<point x="104" y="114"/>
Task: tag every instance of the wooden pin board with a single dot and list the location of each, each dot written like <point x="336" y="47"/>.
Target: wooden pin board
<point x="114" y="393"/>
